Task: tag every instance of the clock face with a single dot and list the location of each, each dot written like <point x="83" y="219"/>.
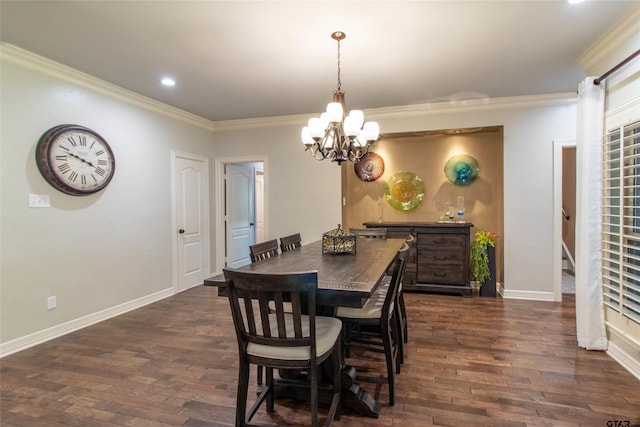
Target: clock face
<point x="75" y="159"/>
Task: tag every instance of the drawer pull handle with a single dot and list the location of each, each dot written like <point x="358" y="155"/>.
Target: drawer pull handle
<point x="439" y="274"/>
<point x="440" y="241"/>
<point x="440" y="258"/>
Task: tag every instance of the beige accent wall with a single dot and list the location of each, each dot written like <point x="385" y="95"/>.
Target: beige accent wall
<point x="426" y="156"/>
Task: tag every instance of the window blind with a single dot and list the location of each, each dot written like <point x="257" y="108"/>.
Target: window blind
<point x="621" y="221"/>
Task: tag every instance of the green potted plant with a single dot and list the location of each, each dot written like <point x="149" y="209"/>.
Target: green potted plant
<point x="483" y="269"/>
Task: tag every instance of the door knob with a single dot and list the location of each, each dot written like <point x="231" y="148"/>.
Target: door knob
<point x="181" y="231"/>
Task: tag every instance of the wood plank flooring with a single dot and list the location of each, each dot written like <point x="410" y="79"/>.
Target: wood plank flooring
<point x="470" y="362"/>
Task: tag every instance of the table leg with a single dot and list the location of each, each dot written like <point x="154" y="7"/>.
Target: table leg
<point x="353" y="396"/>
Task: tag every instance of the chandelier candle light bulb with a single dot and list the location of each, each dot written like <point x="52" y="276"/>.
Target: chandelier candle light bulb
<point x="336" y="136"/>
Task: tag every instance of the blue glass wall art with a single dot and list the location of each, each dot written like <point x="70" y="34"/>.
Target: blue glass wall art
<point x="461" y="169"/>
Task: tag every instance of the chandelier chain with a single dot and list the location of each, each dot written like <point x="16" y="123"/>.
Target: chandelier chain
<point x="339" y="82"/>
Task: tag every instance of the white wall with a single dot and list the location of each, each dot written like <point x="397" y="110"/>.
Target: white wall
<point x="301" y="194"/>
<point x="98" y="254"/>
<point x="107" y="253"/>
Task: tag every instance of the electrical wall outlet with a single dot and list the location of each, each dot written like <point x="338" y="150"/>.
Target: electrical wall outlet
<point x="51" y="302"/>
<point x="39" y="201"/>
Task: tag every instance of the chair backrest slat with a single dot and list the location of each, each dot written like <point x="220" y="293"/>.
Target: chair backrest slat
<point x="248" y="310"/>
<point x="291" y="242"/>
<point x="263" y="250"/>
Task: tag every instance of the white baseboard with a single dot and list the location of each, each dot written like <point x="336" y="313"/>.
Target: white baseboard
<point x="626" y="360"/>
<point x="624" y="349"/>
<point x="39" y="337"/>
<point x="528" y="295"/>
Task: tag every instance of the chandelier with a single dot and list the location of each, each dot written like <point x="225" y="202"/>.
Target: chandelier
<point x="336" y="136"/>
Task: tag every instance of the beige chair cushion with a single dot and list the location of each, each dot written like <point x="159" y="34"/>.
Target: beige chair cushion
<point x="286" y="305"/>
<point x="372" y="309"/>
<point x="386" y="281"/>
<point x="327" y="332"/>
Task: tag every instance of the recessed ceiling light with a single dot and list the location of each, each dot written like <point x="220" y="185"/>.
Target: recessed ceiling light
<point x="168" y="81"/>
<point x="574" y="1"/>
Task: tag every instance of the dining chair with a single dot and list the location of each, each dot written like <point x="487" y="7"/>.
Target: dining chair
<point x="380" y="311"/>
<point x="263" y="250"/>
<point x="282" y="340"/>
<point x="403" y="309"/>
<point x="260" y="252"/>
<point x="401" y="319"/>
<point x="291" y="242"/>
<point x="369" y="233"/>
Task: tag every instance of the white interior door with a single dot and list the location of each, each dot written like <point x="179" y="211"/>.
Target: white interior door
<point x="191" y="221"/>
<point x="240" y="218"/>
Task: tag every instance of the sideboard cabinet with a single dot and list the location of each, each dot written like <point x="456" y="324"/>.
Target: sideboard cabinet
<point x="439" y="257"/>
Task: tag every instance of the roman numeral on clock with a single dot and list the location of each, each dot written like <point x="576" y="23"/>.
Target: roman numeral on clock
<point x="64" y="168"/>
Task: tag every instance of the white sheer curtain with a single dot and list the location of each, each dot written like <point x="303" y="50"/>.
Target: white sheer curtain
<point x="589" y="306"/>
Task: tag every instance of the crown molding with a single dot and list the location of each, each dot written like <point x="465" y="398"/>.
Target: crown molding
<point x="618" y="35"/>
<point x="23" y="58"/>
<point x="26" y="59"/>
<point x="415" y="110"/>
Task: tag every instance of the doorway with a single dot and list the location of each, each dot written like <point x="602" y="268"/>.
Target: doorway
<point x="568" y="219"/>
<point x="240" y="208"/>
<point x="564" y="209"/>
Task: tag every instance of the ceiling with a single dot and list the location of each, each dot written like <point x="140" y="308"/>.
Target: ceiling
<point x="247" y="59"/>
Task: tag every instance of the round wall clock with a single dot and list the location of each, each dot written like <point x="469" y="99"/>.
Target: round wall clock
<point x="75" y="159"/>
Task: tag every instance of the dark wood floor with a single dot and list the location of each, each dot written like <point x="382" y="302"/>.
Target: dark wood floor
<point x="470" y="362"/>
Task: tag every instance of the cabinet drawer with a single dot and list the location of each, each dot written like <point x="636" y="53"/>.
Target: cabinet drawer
<point x="445" y="274"/>
<point x="440" y="242"/>
<point x="431" y="257"/>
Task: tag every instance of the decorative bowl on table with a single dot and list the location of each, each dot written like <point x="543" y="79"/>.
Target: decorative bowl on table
<point x="338" y="241"/>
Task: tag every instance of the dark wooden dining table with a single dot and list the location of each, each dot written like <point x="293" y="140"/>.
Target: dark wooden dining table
<point x="344" y="280"/>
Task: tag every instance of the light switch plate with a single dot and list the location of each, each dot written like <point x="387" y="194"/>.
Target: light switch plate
<point x="39" y="201"/>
